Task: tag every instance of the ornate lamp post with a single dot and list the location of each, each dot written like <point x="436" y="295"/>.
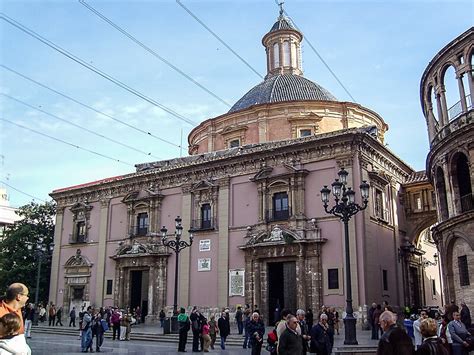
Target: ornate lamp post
<point x="176" y="245"/>
<point x="344" y="208"/>
<point x="40" y="251"/>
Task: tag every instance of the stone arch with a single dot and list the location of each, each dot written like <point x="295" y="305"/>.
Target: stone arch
<point x="440" y="187"/>
<point x="449" y="82"/>
<point x="432" y="102"/>
<point x="461" y="182"/>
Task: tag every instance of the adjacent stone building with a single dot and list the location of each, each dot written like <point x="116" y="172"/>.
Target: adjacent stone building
<point x="250" y="193"/>
<point x="450" y="162"/>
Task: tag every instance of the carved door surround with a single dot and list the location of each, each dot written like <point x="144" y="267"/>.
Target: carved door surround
<point x="144" y="201"/>
<point x="147" y="256"/>
<point x="292" y="182"/>
<point x="81" y="213"/>
<point x="77" y="273"/>
<point x="281" y="244"/>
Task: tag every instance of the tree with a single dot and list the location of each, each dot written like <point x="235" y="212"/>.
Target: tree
<point x="17" y="263"/>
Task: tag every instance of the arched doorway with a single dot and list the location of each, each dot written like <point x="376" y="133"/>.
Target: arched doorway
<point x="461" y="182"/>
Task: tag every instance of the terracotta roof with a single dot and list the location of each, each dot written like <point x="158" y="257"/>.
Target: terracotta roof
<point x="417" y="176"/>
<point x="283" y="23"/>
<point x="97" y="182"/>
<point x="280" y="88"/>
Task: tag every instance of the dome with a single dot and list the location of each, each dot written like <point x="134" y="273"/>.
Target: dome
<point x="280" y="88"/>
<point x="283" y="23"/>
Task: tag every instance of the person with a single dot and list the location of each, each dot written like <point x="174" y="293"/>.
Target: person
<point x="256" y="329"/>
<point x="238" y="318"/>
<point x="303" y="330"/>
<point x="281" y="326"/>
<point x="336" y="319"/>
<point x="370" y="319"/>
<point x="42" y="313"/>
<point x="15" y="299"/>
<point x="255" y="309"/>
<point x="29" y="317"/>
<point x="184" y="325"/>
<point x="138" y="315"/>
<point x="224" y="328"/>
<point x="417" y="330"/>
<point x="290" y="342"/>
<point x="465" y="315"/>
<point x="98" y="330"/>
<point x="432" y="345"/>
<point x="162" y="318"/>
<point x="376" y="315"/>
<point x="72" y="317"/>
<point x="330" y="325"/>
<point x="320" y="343"/>
<point x="205" y="336"/>
<point x="309" y="318"/>
<point x="459" y="334"/>
<point x="59" y="314"/>
<point x="11" y="341"/>
<point x="115" y="321"/>
<point x="445" y="335"/>
<point x="86" y="338"/>
<point x="213" y="330"/>
<point x="196" y="328"/>
<point x="394" y="341"/>
<point x="52" y="314"/>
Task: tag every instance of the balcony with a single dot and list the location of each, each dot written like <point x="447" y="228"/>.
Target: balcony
<point x="277" y="215"/>
<point x="382" y="215"/>
<point x="139" y="231"/>
<point x="456" y="110"/>
<point x="467" y="203"/>
<point x="79" y="238"/>
<point x="203" y="225"/>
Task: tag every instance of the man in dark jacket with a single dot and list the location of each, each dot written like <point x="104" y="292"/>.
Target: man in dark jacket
<point x="256" y="330"/>
<point x="239" y="319"/>
<point x="320" y="343"/>
<point x="465" y="315"/>
<point x="223" y="324"/>
<point x="394" y="341"/>
<point x="196" y="328"/>
<point x="184" y="325"/>
<point x="290" y="342"/>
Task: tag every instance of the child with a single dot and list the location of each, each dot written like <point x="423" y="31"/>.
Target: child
<point x="11" y="342"/>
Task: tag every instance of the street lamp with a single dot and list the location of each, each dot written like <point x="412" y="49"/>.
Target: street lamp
<point x="176" y="245"/>
<point x="344" y="208"/>
<point x="40" y="252"/>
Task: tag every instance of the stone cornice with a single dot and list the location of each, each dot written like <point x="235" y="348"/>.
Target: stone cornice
<point x="245" y="160"/>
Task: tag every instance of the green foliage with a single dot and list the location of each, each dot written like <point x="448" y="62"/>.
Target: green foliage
<point x="17" y="263"/>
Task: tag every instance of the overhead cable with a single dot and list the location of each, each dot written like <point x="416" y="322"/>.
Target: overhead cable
<point x="64" y="142"/>
<point x="151" y="51"/>
<point x="94" y="69"/>
<point x="319" y="55"/>
<point x="87" y="106"/>
<point x="77" y="125"/>
<point x="218" y="38"/>
<point x="22" y="192"/>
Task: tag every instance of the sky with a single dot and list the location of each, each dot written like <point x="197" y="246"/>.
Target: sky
<point x="377" y="49"/>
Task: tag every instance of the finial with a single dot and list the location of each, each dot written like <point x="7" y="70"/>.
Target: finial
<point x="281" y="8"/>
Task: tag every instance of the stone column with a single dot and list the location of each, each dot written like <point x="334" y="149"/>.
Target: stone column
<point x="184" y="255"/>
<point x="152" y="278"/>
<point x="443" y="107"/>
<point x="462" y="94"/>
<point x="101" y="251"/>
<point x="58" y="229"/>
<point x="223" y="254"/>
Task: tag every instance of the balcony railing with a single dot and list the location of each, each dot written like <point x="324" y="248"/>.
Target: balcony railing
<point x="277" y="215"/>
<point x="201" y="225"/>
<point x="383" y="215"/>
<point x="455" y="110"/>
<point x="141" y="230"/>
<point x="80" y="238"/>
<point x="467" y="202"/>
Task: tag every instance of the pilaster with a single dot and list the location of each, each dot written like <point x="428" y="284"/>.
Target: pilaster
<point x="101" y="251"/>
<point x="185" y="255"/>
<point x="223" y="255"/>
<point x="58" y="228"/>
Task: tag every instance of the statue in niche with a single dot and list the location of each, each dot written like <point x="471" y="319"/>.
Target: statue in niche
<point x="135" y="248"/>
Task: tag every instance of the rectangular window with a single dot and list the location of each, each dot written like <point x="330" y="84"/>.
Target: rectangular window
<point x="385" y="280"/>
<point x="433" y="287"/>
<point x="463" y="271"/>
<point x="234" y="143"/>
<point x="81" y="232"/>
<point x="109" y="287"/>
<point x="142" y="224"/>
<point x="206" y="216"/>
<point x="280" y="206"/>
<point x="379" y="211"/>
<point x="417" y="198"/>
<point x="305" y="132"/>
<point x="286" y="54"/>
<point x="333" y="279"/>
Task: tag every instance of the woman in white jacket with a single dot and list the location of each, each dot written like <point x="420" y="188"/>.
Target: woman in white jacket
<point x="11" y="342"/>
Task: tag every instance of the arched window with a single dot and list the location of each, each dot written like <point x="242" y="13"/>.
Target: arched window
<point x="453" y="101"/>
<point x="462" y="182"/>
<point x="434" y="103"/>
<point x="286" y="53"/>
<point x="441" y="191"/>
<point x="293" y="55"/>
<point x="276" y="55"/>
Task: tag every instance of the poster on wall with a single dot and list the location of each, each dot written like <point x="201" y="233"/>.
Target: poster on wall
<point x="205" y="245"/>
<point x="236" y="282"/>
<point x="204" y="264"/>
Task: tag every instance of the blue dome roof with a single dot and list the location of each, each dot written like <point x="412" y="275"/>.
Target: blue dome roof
<point x="280" y="88"/>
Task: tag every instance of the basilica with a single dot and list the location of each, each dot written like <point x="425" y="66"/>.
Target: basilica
<point x="249" y="203"/>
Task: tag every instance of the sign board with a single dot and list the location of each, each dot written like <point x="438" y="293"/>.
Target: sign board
<point x="204" y="264"/>
<point x="205" y="245"/>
